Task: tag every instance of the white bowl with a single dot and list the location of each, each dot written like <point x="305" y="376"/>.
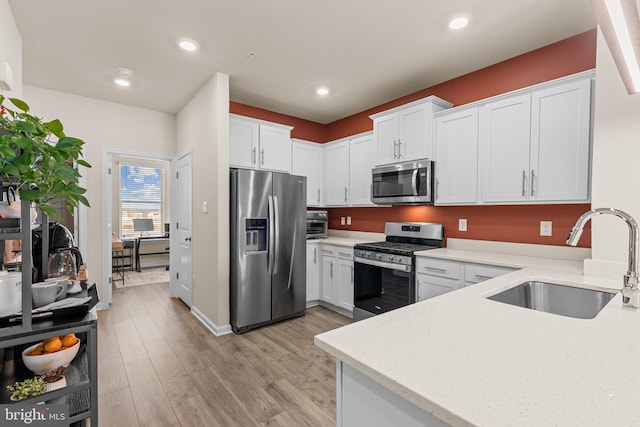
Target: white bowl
<point x="46" y="362"/>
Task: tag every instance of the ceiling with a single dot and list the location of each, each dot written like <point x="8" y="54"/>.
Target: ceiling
<point x="367" y="52"/>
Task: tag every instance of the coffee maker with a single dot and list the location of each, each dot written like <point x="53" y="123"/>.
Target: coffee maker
<point x="64" y="256"/>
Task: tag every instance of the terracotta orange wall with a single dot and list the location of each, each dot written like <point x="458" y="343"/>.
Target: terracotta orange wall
<point x="302" y="129"/>
<point x="512" y="223"/>
<point x="499" y="223"/>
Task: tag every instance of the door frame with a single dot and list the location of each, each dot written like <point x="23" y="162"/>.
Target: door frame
<point x="107" y="217"/>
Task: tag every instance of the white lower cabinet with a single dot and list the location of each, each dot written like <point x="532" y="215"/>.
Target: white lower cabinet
<point x="313" y="273"/>
<point x="337" y="278"/>
<point x="436" y="276"/>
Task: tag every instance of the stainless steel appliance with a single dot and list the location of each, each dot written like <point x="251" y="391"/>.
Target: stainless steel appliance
<point x="317" y="224"/>
<point x="268" y="248"/>
<point x="403" y="183"/>
<point x="385" y="271"/>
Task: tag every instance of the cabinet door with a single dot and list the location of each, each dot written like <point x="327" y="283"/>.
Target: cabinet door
<point x="432" y="286"/>
<point x="385" y="131"/>
<point x="344" y="284"/>
<point x="336" y="174"/>
<point x="313" y="272"/>
<point x="243" y="143"/>
<point x="328" y="279"/>
<point x="275" y="148"/>
<point x="307" y="161"/>
<point x="362" y="157"/>
<point x="456" y="167"/>
<point x="504" y="149"/>
<point x="412" y="138"/>
<point x="560" y="142"/>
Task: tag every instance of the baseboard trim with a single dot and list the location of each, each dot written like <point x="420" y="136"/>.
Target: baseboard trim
<point x="215" y="329"/>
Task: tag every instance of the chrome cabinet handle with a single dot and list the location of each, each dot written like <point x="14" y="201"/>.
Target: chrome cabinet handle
<point x="345" y="193"/>
<point x="399" y="148"/>
<point x="395" y="144"/>
<point x="187" y="239"/>
<point x="441" y="270"/>
<point x="481" y="277"/>
<point x="331" y="269"/>
<point x="524" y="178"/>
<point x="318" y="196"/>
<point x="262" y="157"/>
<point x="253" y="156"/>
<point x="315" y="252"/>
<point x="533" y="176"/>
<point x="437" y="187"/>
<point x="352" y="274"/>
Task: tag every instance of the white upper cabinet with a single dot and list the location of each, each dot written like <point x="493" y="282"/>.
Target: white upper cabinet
<point x="307" y="161"/>
<point x="258" y="144"/>
<point x="561" y="142"/>
<point x="456" y="168"/>
<point x="504" y="147"/>
<point x="405" y="133"/>
<point x="535" y="147"/>
<point x="336" y="173"/>
<point x="362" y="157"/>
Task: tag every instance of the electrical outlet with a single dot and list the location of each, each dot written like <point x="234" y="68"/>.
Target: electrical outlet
<point x="546" y="228"/>
<point x="462" y="224"/>
<point x="348" y="220"/>
<point x="205" y="207"/>
<point x="342" y="220"/>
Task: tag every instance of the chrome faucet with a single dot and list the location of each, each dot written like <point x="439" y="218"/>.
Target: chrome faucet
<point x="630" y="291"/>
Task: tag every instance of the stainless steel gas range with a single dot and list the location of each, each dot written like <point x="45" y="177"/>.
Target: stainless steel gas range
<point x="385" y="271"/>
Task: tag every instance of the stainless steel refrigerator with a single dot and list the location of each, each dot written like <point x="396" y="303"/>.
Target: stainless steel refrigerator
<point x="268" y="247"/>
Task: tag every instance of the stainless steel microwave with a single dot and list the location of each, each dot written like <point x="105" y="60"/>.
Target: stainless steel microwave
<point x="403" y="183"/>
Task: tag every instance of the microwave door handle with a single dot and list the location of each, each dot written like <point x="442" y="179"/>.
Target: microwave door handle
<point x="414" y="182"/>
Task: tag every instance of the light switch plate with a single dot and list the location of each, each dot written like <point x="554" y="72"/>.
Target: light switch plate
<point x="546" y="228"/>
<point x="462" y="224"/>
<point x="342" y="220"/>
<point x="348" y="220"/>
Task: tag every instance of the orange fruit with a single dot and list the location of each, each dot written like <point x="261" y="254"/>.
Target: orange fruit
<point x="69" y="340"/>
<point x="53" y="345"/>
<point x="46" y="340"/>
<point x="36" y="352"/>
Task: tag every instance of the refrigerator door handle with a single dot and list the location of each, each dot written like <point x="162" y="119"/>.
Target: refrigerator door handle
<point x="276" y="234"/>
<point x="272" y="238"/>
<point x="293" y="257"/>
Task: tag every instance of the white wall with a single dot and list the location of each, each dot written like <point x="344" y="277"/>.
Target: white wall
<point x="203" y="127"/>
<point x="103" y="124"/>
<point x="616" y="155"/>
<point x="11" y="48"/>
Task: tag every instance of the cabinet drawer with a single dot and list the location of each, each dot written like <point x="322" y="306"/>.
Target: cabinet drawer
<point x="476" y="273"/>
<point x="328" y="250"/>
<point x="439" y="267"/>
<point x="430" y="286"/>
<point x="344" y="252"/>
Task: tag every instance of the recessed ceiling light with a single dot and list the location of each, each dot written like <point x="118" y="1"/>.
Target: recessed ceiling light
<point x="188" y="45"/>
<point x="322" y="91"/>
<point x="124" y="77"/>
<point x="252" y="54"/>
<point x="458" y="22"/>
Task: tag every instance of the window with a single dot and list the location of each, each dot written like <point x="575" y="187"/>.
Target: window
<point x="142" y="196"/>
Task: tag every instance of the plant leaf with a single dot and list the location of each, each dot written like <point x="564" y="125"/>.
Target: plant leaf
<point x="20" y="104"/>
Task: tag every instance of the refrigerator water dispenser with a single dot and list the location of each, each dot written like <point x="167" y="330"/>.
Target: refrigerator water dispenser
<point x="255" y="235"/>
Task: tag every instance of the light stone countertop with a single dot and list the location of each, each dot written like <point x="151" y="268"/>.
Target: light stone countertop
<point x="472" y="361"/>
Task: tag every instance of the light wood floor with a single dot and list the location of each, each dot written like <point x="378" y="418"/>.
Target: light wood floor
<point x="159" y="366"/>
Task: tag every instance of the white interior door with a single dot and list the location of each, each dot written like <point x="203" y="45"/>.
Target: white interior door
<point x="181" y="228"/>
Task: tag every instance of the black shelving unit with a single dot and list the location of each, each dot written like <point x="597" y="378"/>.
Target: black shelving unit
<point x="81" y="391"/>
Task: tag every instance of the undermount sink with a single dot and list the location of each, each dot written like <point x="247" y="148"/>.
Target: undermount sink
<point x="556" y="299"/>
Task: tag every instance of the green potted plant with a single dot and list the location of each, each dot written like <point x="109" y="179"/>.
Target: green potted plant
<point x="38" y="159"/>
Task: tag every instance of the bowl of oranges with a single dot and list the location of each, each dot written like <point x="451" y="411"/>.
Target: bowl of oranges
<point x="51" y="353"/>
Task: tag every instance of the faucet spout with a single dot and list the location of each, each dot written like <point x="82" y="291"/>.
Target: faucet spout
<point x="630" y="291"/>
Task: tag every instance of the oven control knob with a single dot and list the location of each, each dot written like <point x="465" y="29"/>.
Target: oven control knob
<point x="398" y="259"/>
<point x="368" y="254"/>
<point x="390" y="257"/>
<point x="378" y="256"/>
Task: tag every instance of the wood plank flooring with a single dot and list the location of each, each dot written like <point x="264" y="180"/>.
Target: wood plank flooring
<point x="158" y="366"/>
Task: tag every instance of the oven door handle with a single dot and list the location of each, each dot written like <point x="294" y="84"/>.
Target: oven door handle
<point x="375" y="263"/>
<point x="414" y="182"/>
